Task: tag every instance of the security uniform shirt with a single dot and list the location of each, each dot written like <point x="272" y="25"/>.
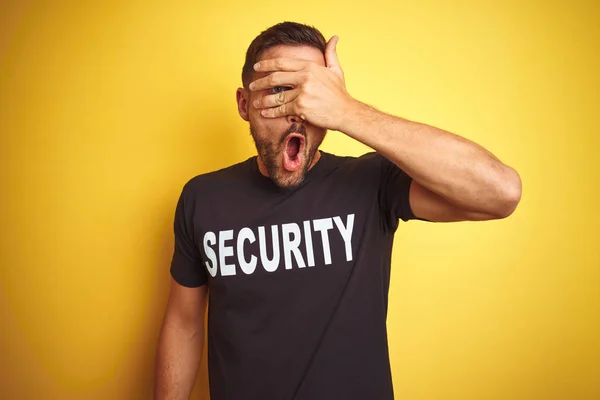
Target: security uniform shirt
<point x="298" y="279"/>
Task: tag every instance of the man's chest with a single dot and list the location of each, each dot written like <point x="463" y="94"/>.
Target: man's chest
<point x="246" y="234"/>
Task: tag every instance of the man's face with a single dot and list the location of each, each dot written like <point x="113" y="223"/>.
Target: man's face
<point x="287" y="146"/>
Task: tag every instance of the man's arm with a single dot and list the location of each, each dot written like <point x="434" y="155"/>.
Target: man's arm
<point x="454" y="179"/>
<point x="180" y="343"/>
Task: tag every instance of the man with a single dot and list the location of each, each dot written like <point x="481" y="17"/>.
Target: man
<point x="294" y="244"/>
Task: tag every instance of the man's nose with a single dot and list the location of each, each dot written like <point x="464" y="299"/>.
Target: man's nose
<point x="294" y="119"/>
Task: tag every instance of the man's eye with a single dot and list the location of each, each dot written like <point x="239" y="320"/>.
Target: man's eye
<point x="279" y="89"/>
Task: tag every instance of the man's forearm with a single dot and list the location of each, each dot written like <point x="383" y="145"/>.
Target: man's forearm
<point x="177" y="361"/>
<point x="451" y="166"/>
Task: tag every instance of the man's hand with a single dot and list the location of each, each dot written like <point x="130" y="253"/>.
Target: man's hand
<point x="315" y="93"/>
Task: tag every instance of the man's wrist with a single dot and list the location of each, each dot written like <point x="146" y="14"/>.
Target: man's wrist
<point x="372" y="127"/>
<point x="352" y="116"/>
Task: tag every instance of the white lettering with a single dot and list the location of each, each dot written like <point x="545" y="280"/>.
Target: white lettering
<point x="310" y="254"/>
<point x="247" y="267"/>
<point x="224" y="252"/>
<point x="324" y="225"/>
<point x="272" y="264"/>
<point x="291" y="245"/>
<point x="346" y="232"/>
<point x="210" y="239"/>
<point x="220" y="246"/>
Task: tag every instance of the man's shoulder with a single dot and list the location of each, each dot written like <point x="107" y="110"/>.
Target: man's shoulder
<point x="365" y="160"/>
<point x="227" y="175"/>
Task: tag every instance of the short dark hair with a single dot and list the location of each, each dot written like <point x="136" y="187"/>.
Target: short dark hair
<point x="286" y="33"/>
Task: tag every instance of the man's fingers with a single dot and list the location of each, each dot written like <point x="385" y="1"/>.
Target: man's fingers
<point x="279" y="111"/>
<point x="277" y="99"/>
<point x="281" y="64"/>
<point x="331" y="58"/>
<point x="278" y="79"/>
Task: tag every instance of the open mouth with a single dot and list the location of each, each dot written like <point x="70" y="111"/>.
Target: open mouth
<point x="292" y="152"/>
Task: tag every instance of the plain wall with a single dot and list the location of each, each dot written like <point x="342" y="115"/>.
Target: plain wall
<point x="106" y="110"/>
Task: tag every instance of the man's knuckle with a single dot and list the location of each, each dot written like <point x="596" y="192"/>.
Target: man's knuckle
<point x="280" y="98"/>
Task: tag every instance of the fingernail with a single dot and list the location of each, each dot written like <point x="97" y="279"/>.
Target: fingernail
<point x="257" y="66"/>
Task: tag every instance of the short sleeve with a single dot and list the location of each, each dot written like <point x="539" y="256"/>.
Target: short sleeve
<point x="394" y="189"/>
<point x="186" y="264"/>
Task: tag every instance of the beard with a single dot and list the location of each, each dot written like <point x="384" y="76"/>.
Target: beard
<point x="270" y="152"/>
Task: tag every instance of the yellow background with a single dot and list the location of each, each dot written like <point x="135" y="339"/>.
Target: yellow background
<point x="106" y="110"/>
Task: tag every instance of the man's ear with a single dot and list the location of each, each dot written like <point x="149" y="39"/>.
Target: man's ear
<point x="243" y="100"/>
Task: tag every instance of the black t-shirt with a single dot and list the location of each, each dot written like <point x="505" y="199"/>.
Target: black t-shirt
<point x="298" y="279"/>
